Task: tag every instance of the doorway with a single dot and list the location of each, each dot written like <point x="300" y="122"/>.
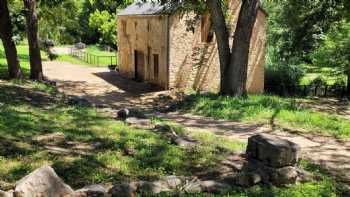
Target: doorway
<point x="139" y="65"/>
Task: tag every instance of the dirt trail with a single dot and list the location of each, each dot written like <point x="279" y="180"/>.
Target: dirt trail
<point x="103" y="87"/>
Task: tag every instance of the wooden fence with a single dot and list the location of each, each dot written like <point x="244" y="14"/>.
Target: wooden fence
<point x="93" y="59"/>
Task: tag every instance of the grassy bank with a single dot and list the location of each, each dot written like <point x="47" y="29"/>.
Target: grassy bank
<point x="276" y="111"/>
<point x="86" y="147"/>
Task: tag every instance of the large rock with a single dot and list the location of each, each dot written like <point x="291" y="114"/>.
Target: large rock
<point x="6" y="194"/>
<point x="273" y="151"/>
<point x="42" y="182"/>
<point x="91" y="191"/>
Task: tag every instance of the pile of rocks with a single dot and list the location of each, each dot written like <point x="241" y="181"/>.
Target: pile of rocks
<point x="270" y="160"/>
<point x="45" y="182"/>
<point x="170" y="184"/>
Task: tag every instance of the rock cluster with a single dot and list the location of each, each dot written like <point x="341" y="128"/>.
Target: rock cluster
<point x="168" y="184"/>
<point x="271" y="160"/>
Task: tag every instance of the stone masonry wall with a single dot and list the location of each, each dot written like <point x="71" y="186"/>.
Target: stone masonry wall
<point x="195" y="64"/>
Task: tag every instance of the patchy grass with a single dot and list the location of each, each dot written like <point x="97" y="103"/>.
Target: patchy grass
<point x="86" y="147"/>
<point x="276" y="111"/>
<point x="93" y="145"/>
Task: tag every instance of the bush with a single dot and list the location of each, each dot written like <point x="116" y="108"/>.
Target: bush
<point x="281" y="79"/>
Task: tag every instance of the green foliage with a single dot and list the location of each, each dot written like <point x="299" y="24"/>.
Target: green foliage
<point x="296" y="28"/>
<point x="276" y="111"/>
<point x="335" y="49"/>
<point x="105" y="24"/>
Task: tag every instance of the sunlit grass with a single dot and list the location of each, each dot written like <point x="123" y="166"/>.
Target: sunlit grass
<point x="282" y="112"/>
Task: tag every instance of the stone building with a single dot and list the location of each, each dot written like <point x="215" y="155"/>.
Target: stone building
<point x="172" y="49"/>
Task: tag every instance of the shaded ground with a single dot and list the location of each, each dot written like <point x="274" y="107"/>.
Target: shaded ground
<point x="108" y="88"/>
<point x="333" y="106"/>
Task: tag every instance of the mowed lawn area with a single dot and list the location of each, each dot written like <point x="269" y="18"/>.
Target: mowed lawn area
<point x="23" y="55"/>
<point x="85" y="147"/>
<point x="280" y="113"/>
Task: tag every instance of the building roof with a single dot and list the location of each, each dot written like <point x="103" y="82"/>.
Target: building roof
<point x="147" y="8"/>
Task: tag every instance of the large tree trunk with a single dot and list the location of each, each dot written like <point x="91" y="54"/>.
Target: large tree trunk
<point x="36" y="72"/>
<point x="235" y="77"/>
<point x="9" y="45"/>
<point x="222" y="36"/>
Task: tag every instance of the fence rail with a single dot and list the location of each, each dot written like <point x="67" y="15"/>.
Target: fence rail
<point x="98" y="60"/>
<point x="308" y="90"/>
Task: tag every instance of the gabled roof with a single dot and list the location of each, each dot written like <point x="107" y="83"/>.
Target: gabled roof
<point x="147" y="8"/>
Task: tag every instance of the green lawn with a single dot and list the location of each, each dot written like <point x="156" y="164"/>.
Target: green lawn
<point x="23" y="54"/>
<point x="86" y="147"/>
<point x="93" y="51"/>
<point x="272" y="110"/>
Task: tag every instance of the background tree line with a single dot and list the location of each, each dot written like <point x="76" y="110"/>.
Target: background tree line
<point x="303" y="35"/>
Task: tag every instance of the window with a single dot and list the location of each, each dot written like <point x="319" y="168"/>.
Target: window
<point x="156" y="65"/>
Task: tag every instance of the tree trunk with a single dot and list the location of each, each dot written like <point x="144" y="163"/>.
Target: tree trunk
<point x="36" y="72"/>
<point x="222" y="36"/>
<point x="9" y="45"/>
<point x="235" y="75"/>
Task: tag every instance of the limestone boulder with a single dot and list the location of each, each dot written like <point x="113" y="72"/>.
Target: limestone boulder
<point x="42" y="182"/>
<point x="273" y="151"/>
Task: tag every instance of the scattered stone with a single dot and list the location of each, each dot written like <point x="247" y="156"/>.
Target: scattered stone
<point x="42" y="182"/>
<point x="163" y="128"/>
<point x="184" y="142"/>
<point x="91" y="191"/>
<point x="123" y="190"/>
<point x="139" y="123"/>
<point x="152" y="188"/>
<point x="193" y="186"/>
<point x="6" y="194"/>
<point x="283" y="176"/>
<point x="213" y="186"/>
<point x="123" y="114"/>
<point x="273" y="151"/>
<point x="79" y="101"/>
<point x="247" y="179"/>
<point x="51" y="138"/>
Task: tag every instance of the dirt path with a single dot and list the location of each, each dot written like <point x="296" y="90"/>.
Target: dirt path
<point x="103" y="87"/>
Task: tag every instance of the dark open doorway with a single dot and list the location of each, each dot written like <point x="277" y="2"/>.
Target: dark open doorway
<point x="139" y="65"/>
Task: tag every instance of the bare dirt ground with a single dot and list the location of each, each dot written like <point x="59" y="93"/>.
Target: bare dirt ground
<point x="103" y="87"/>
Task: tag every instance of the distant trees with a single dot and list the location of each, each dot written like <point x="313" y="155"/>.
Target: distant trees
<point x="9" y="45"/>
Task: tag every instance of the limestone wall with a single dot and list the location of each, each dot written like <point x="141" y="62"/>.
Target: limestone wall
<point x="195" y="64"/>
<point x="147" y="35"/>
